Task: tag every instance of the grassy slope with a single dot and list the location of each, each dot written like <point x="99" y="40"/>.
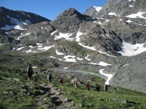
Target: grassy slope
<point x="18" y="93"/>
<point x="113" y="99"/>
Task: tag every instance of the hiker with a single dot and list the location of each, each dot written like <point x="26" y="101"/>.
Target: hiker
<point x="62" y="81"/>
<point x="98" y="87"/>
<point x="87" y="86"/>
<point x="105" y="87"/>
<point x="29" y="71"/>
<point x="49" y="77"/>
<point x="75" y="82"/>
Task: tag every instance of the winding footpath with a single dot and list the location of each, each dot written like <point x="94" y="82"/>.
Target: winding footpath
<point x="58" y="100"/>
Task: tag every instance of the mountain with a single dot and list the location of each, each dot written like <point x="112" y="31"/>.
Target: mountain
<point x="110" y="42"/>
<point x="127" y="20"/>
<point x="123" y="7"/>
<point x="69" y="20"/>
<point x="11" y="19"/>
<point x="93" y="11"/>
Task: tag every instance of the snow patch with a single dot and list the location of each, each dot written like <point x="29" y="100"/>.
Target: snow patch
<point x="80" y="59"/>
<point x="108" y="76"/>
<point x="69" y="58"/>
<point x="88" y="47"/>
<point x="31" y="51"/>
<point x="45" y="48"/>
<point x="78" y="36"/>
<point x="132" y="0"/>
<point x="53" y="32"/>
<point x="93" y="49"/>
<point x="97" y="8"/>
<point x="87" y="58"/>
<point x="132" y="50"/>
<point x="59" y="53"/>
<point x="22" y="35"/>
<point x="125" y="65"/>
<point x="16" y="23"/>
<point x="106" y="54"/>
<point x="26" y="21"/>
<point x="14" y="20"/>
<point x="129" y="21"/>
<point x="31" y="46"/>
<point x="65" y="68"/>
<point x="104" y="64"/>
<point x="107" y="20"/>
<point x="38" y="48"/>
<point x="137" y="15"/>
<point x="52" y="57"/>
<point x="20" y="48"/>
<point x="92" y="63"/>
<point x="39" y="45"/>
<point x="18" y="27"/>
<point x="130" y="6"/>
<point x="63" y="35"/>
<point x="112" y="14"/>
<point x="8" y="27"/>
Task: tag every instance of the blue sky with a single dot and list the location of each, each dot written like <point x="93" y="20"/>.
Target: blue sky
<point x="50" y="8"/>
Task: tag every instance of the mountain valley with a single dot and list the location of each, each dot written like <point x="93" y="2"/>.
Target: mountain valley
<point x="106" y="42"/>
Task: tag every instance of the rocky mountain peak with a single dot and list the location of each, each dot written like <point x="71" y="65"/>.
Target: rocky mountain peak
<point x="69" y="20"/>
<point x="71" y="11"/>
<point x="10" y="18"/>
<point x="123" y="7"/>
<point x="2" y="9"/>
<point x="93" y="11"/>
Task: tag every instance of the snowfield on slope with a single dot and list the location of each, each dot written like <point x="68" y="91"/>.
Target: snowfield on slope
<point x="132" y="50"/>
<point x="137" y="15"/>
<point x="108" y="76"/>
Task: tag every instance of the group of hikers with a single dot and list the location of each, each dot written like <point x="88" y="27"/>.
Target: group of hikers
<point x="75" y="81"/>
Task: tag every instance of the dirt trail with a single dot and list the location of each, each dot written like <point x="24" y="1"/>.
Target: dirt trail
<point x="58" y="100"/>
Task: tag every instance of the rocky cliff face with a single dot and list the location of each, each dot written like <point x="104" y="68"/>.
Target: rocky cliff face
<point x="127" y="19"/>
<point x="123" y="7"/>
